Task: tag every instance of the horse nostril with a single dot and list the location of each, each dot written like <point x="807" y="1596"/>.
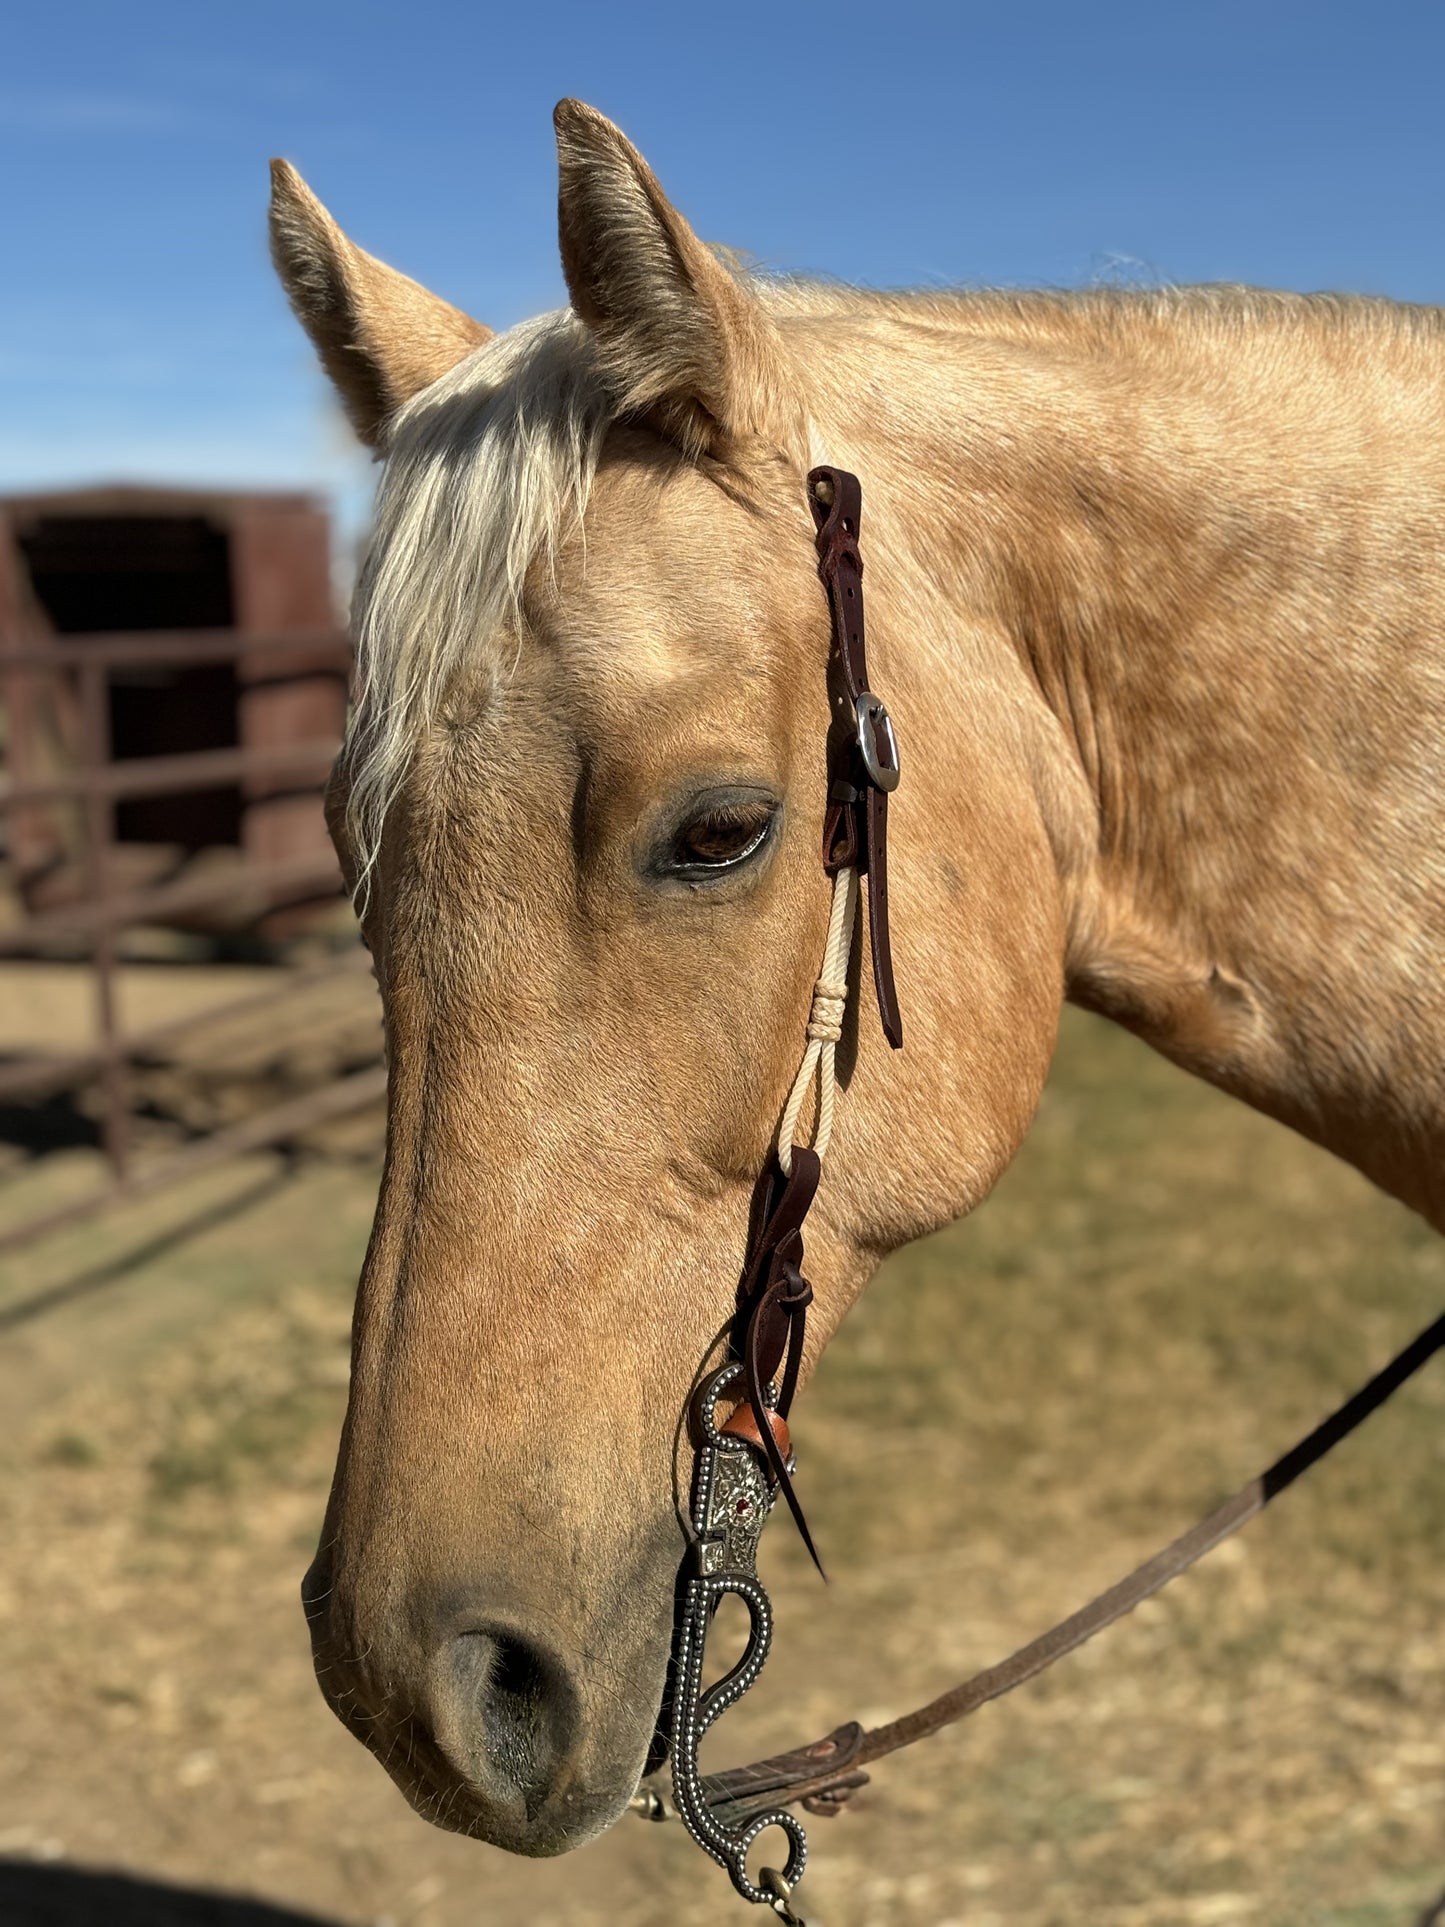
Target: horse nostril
<point x="506" y="1720"/>
<point x="512" y="1708"/>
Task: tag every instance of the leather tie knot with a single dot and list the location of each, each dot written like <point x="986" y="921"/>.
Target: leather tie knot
<point x="797" y="1294"/>
<point x="773" y="1301"/>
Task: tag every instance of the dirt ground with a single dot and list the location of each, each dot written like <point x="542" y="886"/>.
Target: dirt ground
<point x="1164" y="1292"/>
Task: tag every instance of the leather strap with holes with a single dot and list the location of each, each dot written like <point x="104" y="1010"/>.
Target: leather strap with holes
<point x="773" y="1295"/>
<point x="855" y="827"/>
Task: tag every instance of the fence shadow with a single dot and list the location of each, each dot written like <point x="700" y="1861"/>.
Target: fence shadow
<point x="34" y="1895"/>
<point x="55" y="1123"/>
<point x="84" y="1283"/>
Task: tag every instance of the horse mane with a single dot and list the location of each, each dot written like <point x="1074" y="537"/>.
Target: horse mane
<point x="489" y="468"/>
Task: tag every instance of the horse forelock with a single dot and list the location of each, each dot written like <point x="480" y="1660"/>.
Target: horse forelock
<point x="486" y="472"/>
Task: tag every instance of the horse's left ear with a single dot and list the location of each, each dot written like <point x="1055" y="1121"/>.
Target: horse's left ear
<point x="680" y="337"/>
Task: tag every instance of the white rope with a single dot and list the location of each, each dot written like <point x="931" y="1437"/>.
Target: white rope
<point x="825" y="1026"/>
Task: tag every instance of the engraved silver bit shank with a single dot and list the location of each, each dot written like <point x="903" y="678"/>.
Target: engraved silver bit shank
<point x="731" y="1500"/>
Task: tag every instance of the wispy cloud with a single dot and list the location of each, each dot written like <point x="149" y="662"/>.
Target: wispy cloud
<point x="1109" y="268"/>
<point x="69" y="114"/>
<point x="69" y="365"/>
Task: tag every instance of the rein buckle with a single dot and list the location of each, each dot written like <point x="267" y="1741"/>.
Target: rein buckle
<point x="877" y="742"/>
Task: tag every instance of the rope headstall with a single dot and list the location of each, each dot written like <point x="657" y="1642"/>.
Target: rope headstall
<point x="742" y="1464"/>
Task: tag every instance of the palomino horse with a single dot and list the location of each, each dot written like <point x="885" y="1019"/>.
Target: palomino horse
<point x="1157" y="597"/>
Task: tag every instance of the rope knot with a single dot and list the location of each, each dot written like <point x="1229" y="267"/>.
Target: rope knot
<point x="825" y="1025"/>
<point x="830" y="1003"/>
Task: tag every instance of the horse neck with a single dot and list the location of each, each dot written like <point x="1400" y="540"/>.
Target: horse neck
<point x="1201" y="537"/>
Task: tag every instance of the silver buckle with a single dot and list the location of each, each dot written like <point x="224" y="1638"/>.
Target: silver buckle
<point x="877" y="742"/>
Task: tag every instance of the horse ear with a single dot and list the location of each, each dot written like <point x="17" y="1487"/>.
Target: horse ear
<point x="381" y="337"/>
<point x="679" y="336"/>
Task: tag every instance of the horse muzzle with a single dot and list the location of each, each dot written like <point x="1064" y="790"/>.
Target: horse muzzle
<point x="488" y="1728"/>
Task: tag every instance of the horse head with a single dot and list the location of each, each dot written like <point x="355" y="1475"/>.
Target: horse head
<point x="579" y="805"/>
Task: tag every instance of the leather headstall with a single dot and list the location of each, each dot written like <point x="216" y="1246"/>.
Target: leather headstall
<point x="866" y="769"/>
<point x="743" y="1464"/>
<point x="863" y="769"/>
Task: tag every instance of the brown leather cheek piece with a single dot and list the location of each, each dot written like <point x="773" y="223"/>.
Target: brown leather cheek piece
<point x="732" y="1493"/>
<point x="855" y="826"/>
<point x="774" y="1296"/>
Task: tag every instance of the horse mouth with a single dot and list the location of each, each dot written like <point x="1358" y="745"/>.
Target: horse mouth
<point x="500" y="1750"/>
<point x="533" y="1820"/>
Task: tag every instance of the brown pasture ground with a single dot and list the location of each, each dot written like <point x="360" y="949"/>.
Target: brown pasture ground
<point x="1162" y="1294"/>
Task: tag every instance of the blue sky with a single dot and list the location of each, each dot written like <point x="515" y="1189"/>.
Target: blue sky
<point x="142" y="335"/>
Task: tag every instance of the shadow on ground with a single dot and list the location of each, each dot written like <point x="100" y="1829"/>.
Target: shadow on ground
<point x="41" y="1896"/>
<point x="113" y="1270"/>
<point x="55" y="1123"/>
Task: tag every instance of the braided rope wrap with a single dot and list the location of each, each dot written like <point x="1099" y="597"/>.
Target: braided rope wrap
<point x="825" y="1027"/>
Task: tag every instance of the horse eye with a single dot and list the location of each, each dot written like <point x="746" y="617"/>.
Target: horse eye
<point x="721" y="837"/>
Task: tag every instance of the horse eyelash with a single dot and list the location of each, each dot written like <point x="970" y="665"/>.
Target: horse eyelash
<point x="719" y="820"/>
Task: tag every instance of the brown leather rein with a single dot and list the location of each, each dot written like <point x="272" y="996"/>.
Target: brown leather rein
<point x="822" y="1776"/>
<point x="744" y="1463"/>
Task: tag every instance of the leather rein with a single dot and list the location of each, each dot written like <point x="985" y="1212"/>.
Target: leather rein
<point x="742" y="1464"/>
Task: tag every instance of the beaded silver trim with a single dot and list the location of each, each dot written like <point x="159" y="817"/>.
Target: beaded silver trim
<point x="731" y="1500"/>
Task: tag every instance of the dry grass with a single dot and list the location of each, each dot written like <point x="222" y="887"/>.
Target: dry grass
<point x="1163" y="1293"/>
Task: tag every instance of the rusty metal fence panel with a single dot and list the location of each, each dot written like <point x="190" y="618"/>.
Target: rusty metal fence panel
<point x="63" y="795"/>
